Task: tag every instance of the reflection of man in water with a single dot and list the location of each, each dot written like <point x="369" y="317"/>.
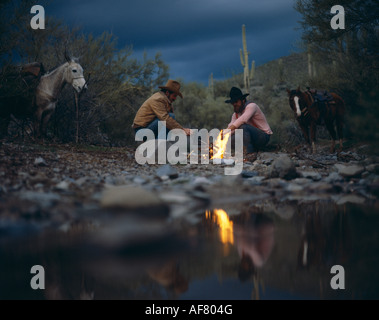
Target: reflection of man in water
<point x="169" y="276"/>
<point x="254" y="239"/>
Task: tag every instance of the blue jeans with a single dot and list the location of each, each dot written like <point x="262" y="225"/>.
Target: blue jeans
<point x="253" y="138"/>
<point x="153" y="126"/>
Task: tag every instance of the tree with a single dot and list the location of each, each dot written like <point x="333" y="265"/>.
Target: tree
<point x="118" y="83"/>
<point x="348" y="57"/>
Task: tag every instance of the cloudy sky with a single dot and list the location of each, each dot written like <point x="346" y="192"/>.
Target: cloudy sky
<point x="196" y="37"/>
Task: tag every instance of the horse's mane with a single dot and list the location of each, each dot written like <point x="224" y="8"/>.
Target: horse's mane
<point x="53" y="70"/>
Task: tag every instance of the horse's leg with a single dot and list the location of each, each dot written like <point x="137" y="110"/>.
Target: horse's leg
<point x="304" y="130"/>
<point x="46" y="117"/>
<point x="330" y="126"/>
<point x="340" y="124"/>
<point x="4" y="124"/>
<point x="313" y="136"/>
<point x="37" y="123"/>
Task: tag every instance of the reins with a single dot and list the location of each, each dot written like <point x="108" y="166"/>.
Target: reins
<point x="305" y="111"/>
<point x="77" y="97"/>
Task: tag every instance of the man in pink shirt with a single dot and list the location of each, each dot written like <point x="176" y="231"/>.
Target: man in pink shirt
<point x="250" y="118"/>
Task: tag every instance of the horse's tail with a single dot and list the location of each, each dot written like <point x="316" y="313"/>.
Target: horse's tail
<point x="340" y="105"/>
<point x="340" y="113"/>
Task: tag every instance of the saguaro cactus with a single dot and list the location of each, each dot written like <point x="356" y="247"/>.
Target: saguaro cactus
<point x="281" y="70"/>
<point x="312" y="71"/>
<point x="309" y="64"/>
<point x="244" y="55"/>
<point x="211" y="86"/>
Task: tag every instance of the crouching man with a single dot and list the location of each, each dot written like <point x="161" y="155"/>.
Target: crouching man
<point x="250" y="118"/>
<point x="159" y="108"/>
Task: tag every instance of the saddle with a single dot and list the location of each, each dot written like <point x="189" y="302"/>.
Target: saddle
<point x="321" y="96"/>
<point x="21" y="81"/>
<point x="32" y="72"/>
<point x="322" y="99"/>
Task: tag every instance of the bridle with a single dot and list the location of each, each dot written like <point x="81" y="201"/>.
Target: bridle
<point x="54" y="99"/>
<point x="302" y="104"/>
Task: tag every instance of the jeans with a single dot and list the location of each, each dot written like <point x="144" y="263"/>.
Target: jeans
<point x="253" y="138"/>
<point x="153" y="126"/>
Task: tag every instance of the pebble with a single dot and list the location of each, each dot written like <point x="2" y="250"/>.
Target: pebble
<point x="40" y="162"/>
<point x="167" y="171"/>
<point x="315" y="176"/>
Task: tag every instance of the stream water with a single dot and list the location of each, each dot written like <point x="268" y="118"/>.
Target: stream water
<point x="245" y="251"/>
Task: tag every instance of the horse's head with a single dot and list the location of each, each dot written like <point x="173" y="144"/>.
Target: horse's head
<point x="74" y="75"/>
<point x="299" y="101"/>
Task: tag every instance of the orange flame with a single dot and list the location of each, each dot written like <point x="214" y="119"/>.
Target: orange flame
<point x="220" y="145"/>
<point x="221" y="218"/>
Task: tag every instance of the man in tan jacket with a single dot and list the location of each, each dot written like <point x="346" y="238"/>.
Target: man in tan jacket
<point x="159" y="108"/>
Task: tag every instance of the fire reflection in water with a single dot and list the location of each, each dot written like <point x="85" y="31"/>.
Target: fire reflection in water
<point x="221" y="218"/>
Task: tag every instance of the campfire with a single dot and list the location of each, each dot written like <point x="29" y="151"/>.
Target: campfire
<point x="216" y="150"/>
<point x="220" y="146"/>
<point x="221" y="219"/>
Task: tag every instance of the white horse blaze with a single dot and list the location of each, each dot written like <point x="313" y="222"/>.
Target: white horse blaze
<point x="298" y="111"/>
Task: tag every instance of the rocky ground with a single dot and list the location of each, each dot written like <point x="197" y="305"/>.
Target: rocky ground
<point x="56" y="185"/>
<point x="52" y="194"/>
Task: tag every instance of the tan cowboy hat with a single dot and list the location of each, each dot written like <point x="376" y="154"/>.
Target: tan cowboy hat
<point x="173" y="86"/>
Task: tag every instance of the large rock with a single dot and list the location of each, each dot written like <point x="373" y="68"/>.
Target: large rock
<point x="373" y="168"/>
<point x="283" y="167"/>
<point x="349" y="171"/>
<point x="315" y="176"/>
<point x="268" y="157"/>
<point x="351" y="198"/>
<point x="134" y="199"/>
<point x="45" y="200"/>
<point x="333" y="177"/>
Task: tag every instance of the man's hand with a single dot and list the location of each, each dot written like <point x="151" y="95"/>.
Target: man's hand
<point x="232" y="127"/>
<point x="188" y="131"/>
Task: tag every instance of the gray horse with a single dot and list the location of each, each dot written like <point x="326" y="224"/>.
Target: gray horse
<point x="49" y="88"/>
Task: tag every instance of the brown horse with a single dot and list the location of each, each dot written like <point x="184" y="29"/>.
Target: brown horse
<point x="17" y="89"/>
<point x="312" y="108"/>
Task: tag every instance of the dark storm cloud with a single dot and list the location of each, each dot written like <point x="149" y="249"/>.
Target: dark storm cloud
<point x="195" y="37"/>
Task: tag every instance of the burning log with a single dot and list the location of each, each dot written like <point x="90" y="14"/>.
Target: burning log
<point x="220" y="145"/>
<point x="216" y="150"/>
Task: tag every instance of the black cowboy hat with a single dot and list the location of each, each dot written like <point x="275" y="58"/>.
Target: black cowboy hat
<point x="236" y="94"/>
